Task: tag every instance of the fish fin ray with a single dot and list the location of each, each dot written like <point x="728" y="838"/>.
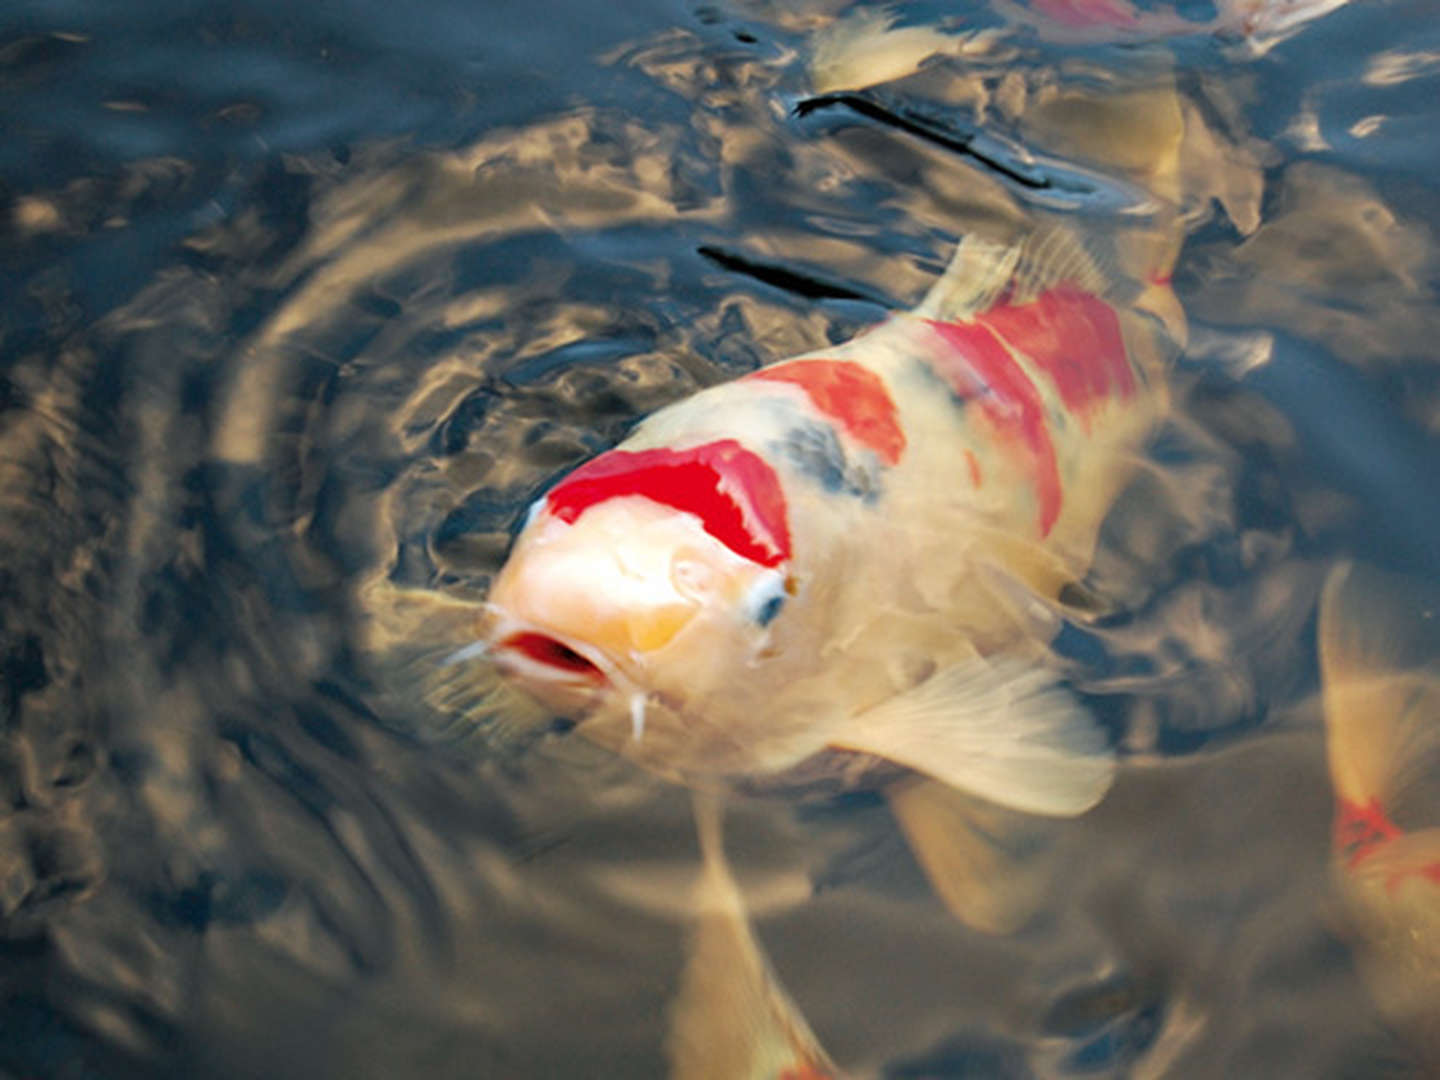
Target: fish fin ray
<point x="1002" y="731"/>
<point x="979" y="273"/>
<point x="982" y="272"/>
<point x="983" y="862"/>
<point x="1053" y="256"/>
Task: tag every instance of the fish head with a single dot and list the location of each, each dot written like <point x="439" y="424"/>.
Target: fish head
<point x="631" y="606"/>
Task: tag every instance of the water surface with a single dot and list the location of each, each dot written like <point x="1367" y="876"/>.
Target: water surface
<point x="304" y="304"/>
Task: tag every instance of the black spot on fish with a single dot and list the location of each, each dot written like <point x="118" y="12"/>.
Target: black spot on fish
<point x="815" y="450"/>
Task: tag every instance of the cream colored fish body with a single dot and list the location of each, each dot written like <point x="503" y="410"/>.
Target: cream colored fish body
<point x="852" y="549"/>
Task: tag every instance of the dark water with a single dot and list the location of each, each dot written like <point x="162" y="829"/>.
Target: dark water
<point x="304" y="303"/>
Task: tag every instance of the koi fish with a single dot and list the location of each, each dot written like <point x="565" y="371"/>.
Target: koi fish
<point x="1378" y="658"/>
<point x="844" y="565"/>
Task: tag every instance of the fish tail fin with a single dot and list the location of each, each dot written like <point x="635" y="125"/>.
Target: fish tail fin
<point x="1379" y="647"/>
<point x="984" y="862"/>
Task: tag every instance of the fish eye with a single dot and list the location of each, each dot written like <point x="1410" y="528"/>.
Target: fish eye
<point x="767" y="598"/>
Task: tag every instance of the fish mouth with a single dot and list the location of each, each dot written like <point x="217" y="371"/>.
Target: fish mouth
<point x="568" y="675"/>
<point x="545" y="654"/>
<point x="542" y="658"/>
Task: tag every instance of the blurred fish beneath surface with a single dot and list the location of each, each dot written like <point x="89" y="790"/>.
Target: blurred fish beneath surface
<point x="303" y="312"/>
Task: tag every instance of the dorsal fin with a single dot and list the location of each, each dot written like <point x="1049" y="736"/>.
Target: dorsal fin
<point x="1054" y="256"/>
<point x="979" y="273"/>
<point x="983" y="272"/>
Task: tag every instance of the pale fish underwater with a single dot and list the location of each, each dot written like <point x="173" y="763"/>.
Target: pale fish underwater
<point x="1380" y="662"/>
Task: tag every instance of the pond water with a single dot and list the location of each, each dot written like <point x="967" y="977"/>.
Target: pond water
<point x="303" y="305"/>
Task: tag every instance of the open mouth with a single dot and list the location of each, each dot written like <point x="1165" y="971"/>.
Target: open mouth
<point x="549" y="655"/>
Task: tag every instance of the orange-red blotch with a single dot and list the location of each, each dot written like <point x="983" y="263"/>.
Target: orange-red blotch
<point x="854" y="397"/>
<point x="1360" y="829"/>
<point x="1075" y="339"/>
<point x="976" y="479"/>
<point x="733" y="492"/>
<point x="977" y="366"/>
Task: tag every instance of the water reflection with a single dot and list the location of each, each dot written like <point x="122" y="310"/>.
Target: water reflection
<point x="270" y="366"/>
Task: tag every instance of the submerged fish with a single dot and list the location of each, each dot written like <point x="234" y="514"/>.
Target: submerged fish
<point x="1380" y="662"/>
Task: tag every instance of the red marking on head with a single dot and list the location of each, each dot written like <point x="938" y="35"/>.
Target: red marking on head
<point x="1089" y="12"/>
<point x="975" y="478"/>
<point x="1075" y="339"/>
<point x="852" y="396"/>
<point x="736" y="496"/>
<point x="977" y="366"/>
<point x="1360" y="830"/>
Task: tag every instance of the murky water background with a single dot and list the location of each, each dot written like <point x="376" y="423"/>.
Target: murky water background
<point x="303" y="305"/>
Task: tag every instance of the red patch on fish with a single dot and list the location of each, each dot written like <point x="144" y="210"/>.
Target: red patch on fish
<point x="1088" y="12"/>
<point x="978" y="367"/>
<point x="1074" y="338"/>
<point x="852" y="396"/>
<point x="736" y="496"/>
<point x="1360" y="830"/>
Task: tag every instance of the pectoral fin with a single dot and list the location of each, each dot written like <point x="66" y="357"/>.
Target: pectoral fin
<point x="1003" y="731"/>
<point x="984" y="862"/>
